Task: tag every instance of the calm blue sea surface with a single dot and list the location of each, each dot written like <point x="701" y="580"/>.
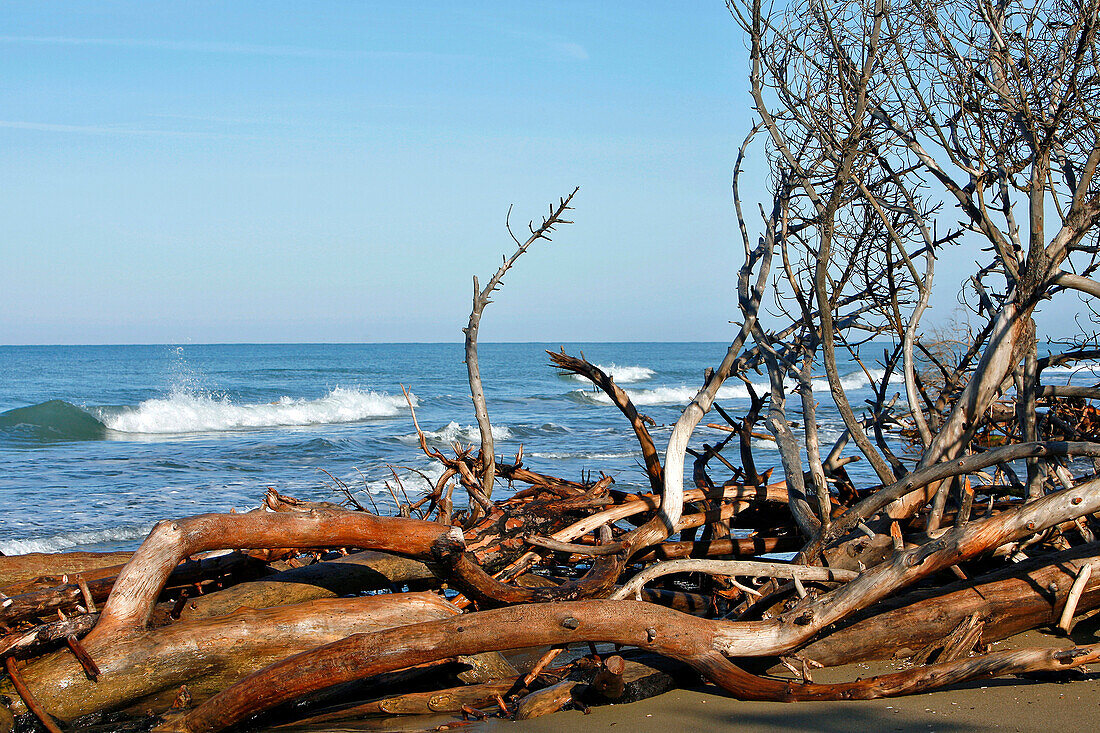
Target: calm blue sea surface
<point x="98" y="442"/>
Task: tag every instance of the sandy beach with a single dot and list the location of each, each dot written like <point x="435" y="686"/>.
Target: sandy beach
<point x="1008" y="704"/>
<point x="1005" y="704"/>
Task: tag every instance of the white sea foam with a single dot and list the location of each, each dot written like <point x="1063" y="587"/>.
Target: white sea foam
<point x="729" y="391"/>
<point x="454" y="432"/>
<point x="582" y="456"/>
<point x="1083" y="367"/>
<point x="66" y="540"/>
<point x="412" y="481"/>
<point x="185" y="412"/>
<point x="621" y="374"/>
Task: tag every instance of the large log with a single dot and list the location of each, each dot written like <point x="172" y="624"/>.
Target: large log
<point x="700" y="643"/>
<point x="41" y="602"/>
<point x="17" y="568"/>
<point x="41" y="595"/>
<point x="139" y="584"/>
<point x="209" y="654"/>
<point x="1010" y="601"/>
<point x="361" y="571"/>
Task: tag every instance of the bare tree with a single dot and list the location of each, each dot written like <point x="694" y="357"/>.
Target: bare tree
<point x="892" y="131"/>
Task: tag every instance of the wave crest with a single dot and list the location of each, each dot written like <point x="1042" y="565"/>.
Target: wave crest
<point x="453" y="432"/>
<point x="621" y="374"/>
<point x="729" y="391"/>
<point x="80" y="538"/>
<point x="200" y="413"/>
<point x="53" y="420"/>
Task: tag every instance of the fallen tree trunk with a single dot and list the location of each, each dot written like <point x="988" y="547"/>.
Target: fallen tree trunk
<point x="18" y="568"/>
<point x="700" y="643"/>
<point x="136" y="590"/>
<point x="209" y="654"/>
<point x="361" y="571"/>
<point x="1010" y="601"/>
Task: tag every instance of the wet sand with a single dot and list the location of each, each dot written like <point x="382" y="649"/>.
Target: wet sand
<point x="1004" y="704"/>
<point x="1065" y="705"/>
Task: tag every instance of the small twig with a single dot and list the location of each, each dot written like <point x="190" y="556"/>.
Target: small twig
<point x="90" y="667"/>
<point x="541" y="664"/>
<point x="85" y="591"/>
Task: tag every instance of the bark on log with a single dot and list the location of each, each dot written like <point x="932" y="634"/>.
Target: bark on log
<point x="23" y="643"/>
<point x="41" y="602"/>
<point x="417" y="703"/>
<point x="1011" y="601"/>
<point x="18" y="568"/>
<point x="208" y="654"/>
<point x="547" y="700"/>
<point x="608" y="681"/>
<point x="367" y="570"/>
<point x="137" y="588"/>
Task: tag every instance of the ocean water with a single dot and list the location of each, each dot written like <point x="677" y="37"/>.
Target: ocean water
<point x="99" y="442"/>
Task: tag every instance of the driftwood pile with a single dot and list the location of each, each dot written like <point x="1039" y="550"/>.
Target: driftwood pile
<point x="323" y="613"/>
<point x="354" y="615"/>
<point x="892" y="131"/>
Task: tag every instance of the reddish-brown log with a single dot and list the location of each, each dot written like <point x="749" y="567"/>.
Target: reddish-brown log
<point x="131" y="602"/>
<point x="208" y="654"/>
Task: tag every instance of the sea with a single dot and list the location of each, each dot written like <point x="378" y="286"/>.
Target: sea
<point x="97" y="443"/>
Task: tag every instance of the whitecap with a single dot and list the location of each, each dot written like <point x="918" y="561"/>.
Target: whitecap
<point x="79" y="538"/>
<point x="186" y="412"/>
<point x="621" y="374"/>
<point x="1083" y="367"/>
<point x="731" y="390"/>
<point x="452" y="432"/>
<point x="583" y="456"/>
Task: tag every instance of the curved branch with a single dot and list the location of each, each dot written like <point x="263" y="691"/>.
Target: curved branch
<point x="729" y="567"/>
<point x="621" y="400"/>
<point x="1077" y="282"/>
<point x="920" y="478"/>
<point x="130" y="605"/>
<point x="672" y="504"/>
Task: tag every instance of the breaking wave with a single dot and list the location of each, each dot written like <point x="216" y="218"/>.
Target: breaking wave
<point x="584" y="456"/>
<point x="729" y="391"/>
<point x="53" y="420"/>
<point x="621" y="374"/>
<point x="66" y="540"/>
<point x="452" y="432"/>
<point x="183" y="412"/>
<point x="1084" y="367"/>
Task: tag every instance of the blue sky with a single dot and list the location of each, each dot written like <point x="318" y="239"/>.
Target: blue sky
<point x="337" y="171"/>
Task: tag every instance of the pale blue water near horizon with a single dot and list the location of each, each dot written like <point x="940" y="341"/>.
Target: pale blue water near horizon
<point x="99" y="442"/>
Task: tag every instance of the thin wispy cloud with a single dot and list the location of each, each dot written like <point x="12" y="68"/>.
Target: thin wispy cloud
<point x="111" y="130"/>
<point x="216" y="47"/>
<point x="556" y="46"/>
<point x="570" y="50"/>
<point x="86" y="129"/>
